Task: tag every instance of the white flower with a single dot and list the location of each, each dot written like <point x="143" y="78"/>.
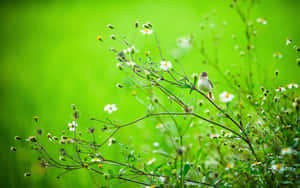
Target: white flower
<point x="256" y="163"/>
<point x="226" y="97"/>
<point x="72" y="126"/>
<point x="162" y="179"/>
<point x="280" y="89"/>
<point x="184" y="42"/>
<point x="277" y="166"/>
<point x="288" y="41"/>
<point x="155" y="144"/>
<point x="228" y="166"/>
<point x="96" y="160"/>
<point x="147" y="31"/>
<point x="129" y="50"/>
<point x="165" y="65"/>
<point x="286" y="151"/>
<point x="213" y="136"/>
<point x="151" y="161"/>
<point x="207" y="111"/>
<point x="229" y="134"/>
<point x="159" y="125"/>
<point x="261" y="20"/>
<point x="110" y="108"/>
<point x="292" y="85"/>
<point x="277" y="55"/>
<point x="131" y="63"/>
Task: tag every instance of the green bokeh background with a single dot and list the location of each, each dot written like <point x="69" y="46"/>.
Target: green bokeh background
<point x="50" y="59"/>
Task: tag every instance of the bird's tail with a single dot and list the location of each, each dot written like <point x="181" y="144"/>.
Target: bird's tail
<point x="210" y="95"/>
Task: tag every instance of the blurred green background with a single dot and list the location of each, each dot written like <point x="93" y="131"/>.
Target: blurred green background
<point x="50" y="58"/>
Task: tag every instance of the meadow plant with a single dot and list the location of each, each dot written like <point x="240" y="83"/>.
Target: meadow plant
<point x="251" y="135"/>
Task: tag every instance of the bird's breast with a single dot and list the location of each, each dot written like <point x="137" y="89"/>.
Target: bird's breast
<point x="204" y="85"/>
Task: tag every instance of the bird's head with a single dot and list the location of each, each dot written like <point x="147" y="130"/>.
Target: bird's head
<point x="203" y="75"/>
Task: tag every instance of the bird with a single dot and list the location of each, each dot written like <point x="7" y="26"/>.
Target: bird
<point x="205" y="84"/>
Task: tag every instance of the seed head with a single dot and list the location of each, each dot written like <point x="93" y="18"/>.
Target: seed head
<point x="137" y="24"/>
<point x="26" y="174"/>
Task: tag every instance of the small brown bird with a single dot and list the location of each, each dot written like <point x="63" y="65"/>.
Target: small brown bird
<point x="205" y="84"/>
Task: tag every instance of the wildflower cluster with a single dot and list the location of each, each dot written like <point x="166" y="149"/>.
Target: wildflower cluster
<point x="248" y="136"/>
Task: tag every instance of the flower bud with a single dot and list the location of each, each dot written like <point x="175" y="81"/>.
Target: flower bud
<point x="76" y="114"/>
<point x="26" y="174"/>
<point x="119" y="66"/>
<point x="147" y="74"/>
<point x="100" y="38"/>
<point x="119" y="85"/>
<point x="113" y="37"/>
<point x="62" y="142"/>
<point x="149" y="25"/>
<point x="276" y="73"/>
<point x="31" y="139"/>
<point x="18" y="138"/>
<point x="137" y="24"/>
<point x="110" y="26"/>
<point x="146" y="26"/>
<point x="276" y="99"/>
<point x="298" y="61"/>
<point x="194" y="76"/>
<point x="200" y="102"/>
<point x="249" y="97"/>
<point x="147" y="53"/>
<point x="107" y="176"/>
<point x="62" y="151"/>
<point x="155" y="100"/>
<point x="13" y="148"/>
<point x="36" y="118"/>
<point x="39" y="131"/>
<point x="174" y="171"/>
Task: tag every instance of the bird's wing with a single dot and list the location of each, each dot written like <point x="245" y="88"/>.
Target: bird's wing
<point x="211" y="85"/>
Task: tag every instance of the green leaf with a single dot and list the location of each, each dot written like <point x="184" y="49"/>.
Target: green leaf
<point x="186" y="168"/>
